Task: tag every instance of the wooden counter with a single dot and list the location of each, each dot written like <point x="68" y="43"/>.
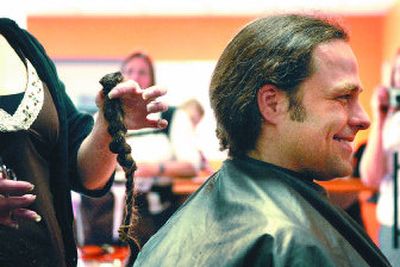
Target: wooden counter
<point x="346" y="185"/>
<point x="186" y="186"/>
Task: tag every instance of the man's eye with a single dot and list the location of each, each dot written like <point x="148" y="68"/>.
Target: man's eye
<point x="346" y="97"/>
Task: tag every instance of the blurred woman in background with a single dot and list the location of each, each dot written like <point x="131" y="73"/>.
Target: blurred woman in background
<point x="376" y="167"/>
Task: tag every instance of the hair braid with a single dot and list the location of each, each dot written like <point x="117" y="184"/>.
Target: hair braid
<point x="114" y="115"/>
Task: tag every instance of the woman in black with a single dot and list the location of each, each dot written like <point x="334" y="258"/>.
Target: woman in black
<point x="52" y="149"/>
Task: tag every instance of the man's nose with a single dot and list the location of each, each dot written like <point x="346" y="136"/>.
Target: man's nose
<point x="360" y="118"/>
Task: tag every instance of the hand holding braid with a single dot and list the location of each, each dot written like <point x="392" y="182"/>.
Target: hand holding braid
<point x="137" y="104"/>
<point x="126" y="106"/>
<point x="114" y="114"/>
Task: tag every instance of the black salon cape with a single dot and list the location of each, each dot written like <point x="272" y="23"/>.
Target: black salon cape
<point x="251" y="213"/>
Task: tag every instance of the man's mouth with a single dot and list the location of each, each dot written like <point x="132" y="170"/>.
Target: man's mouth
<point x="346" y="141"/>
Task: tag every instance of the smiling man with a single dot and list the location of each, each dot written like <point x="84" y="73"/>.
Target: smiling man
<point x="285" y="93"/>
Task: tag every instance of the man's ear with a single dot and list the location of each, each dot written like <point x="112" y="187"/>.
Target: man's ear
<point x="271" y="102"/>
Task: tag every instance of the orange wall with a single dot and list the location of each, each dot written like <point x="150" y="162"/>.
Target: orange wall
<point x="185" y="38"/>
<point x="392" y="32"/>
<point x="366" y="38"/>
<point x="165" y="38"/>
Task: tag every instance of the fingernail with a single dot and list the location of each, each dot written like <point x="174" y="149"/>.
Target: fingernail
<point x="14" y="225"/>
<point x="30" y="196"/>
<point x="110" y="95"/>
<point x="38" y="218"/>
<point x="32" y="187"/>
<point x="159" y="123"/>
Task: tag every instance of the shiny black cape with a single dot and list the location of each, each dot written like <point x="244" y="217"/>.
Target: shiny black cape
<point x="251" y="213"/>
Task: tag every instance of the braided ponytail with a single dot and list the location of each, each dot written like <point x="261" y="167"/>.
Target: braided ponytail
<point x="114" y="115"/>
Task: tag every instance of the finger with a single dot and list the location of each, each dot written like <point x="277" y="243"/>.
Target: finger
<point x="26" y="214"/>
<point x="160" y="123"/>
<point x="8" y="221"/>
<point x="16" y="202"/>
<point x="153" y="92"/>
<point x="126" y="87"/>
<point x="99" y="100"/>
<point x="15" y="187"/>
<point x="156" y="106"/>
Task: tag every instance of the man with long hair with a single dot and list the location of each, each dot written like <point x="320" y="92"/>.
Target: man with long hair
<point x="285" y="93"/>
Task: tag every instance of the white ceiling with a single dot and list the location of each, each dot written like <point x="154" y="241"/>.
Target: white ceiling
<point x="198" y="7"/>
<point x="19" y="10"/>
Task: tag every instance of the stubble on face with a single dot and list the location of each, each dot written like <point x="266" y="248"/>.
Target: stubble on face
<point x="318" y="140"/>
<point x="297" y="111"/>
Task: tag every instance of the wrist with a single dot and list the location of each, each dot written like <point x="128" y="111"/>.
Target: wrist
<point x="101" y="127"/>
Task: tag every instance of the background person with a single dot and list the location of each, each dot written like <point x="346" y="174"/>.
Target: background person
<point x="159" y="155"/>
<point x="139" y="67"/>
<point x="376" y="167"/>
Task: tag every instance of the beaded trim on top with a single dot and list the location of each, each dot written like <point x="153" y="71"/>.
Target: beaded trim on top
<point x="28" y="109"/>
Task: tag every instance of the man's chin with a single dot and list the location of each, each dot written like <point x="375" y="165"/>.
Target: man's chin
<point x="337" y="173"/>
<point x="345" y="172"/>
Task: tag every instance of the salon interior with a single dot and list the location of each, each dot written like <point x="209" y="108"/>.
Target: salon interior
<point x="87" y="39"/>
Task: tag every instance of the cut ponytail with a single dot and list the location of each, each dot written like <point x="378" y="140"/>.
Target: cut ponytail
<point x="114" y="115"/>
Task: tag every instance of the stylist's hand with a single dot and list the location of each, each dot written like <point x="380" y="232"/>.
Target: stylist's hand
<point x="14" y="198"/>
<point x="138" y="104"/>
